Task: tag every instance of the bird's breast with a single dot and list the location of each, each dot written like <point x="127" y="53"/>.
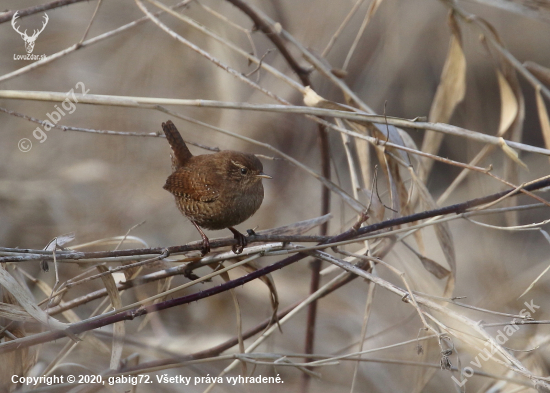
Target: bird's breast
<point x="230" y="209"/>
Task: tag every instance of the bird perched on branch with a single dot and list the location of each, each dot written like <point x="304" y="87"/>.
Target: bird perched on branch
<point x="214" y="191"/>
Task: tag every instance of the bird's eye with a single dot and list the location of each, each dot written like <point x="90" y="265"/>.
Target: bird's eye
<point x="244" y="171"/>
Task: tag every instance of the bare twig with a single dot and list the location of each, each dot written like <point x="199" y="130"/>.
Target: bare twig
<point x="36" y="9"/>
<point x="152" y="103"/>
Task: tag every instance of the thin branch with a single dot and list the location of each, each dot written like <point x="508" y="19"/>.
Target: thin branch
<point x="152" y="103"/>
<point x="495" y="42"/>
<point x="99" y="2"/>
<point x="266" y="27"/>
<point x="223" y="40"/>
<point x="5" y="17"/>
<point x="91" y="41"/>
<point x="178" y="270"/>
<point x="352" y="233"/>
<point x="156" y="134"/>
<point x="269" y="29"/>
<point x="341" y="27"/>
<point x="206" y="55"/>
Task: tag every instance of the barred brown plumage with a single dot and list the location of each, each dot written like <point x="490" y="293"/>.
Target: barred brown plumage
<point x="214" y="191"/>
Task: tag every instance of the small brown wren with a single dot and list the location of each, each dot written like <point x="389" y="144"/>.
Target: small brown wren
<point x="214" y="191"/>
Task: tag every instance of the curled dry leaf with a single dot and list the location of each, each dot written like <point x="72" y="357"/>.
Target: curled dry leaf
<point x="509" y="106"/>
<point x="273" y="295"/>
<point x="18" y="362"/>
<point x="511" y="117"/>
<point x="70" y="315"/>
<point x="543" y="118"/>
<point x="433" y="267"/>
<point x="512" y="154"/>
<point x="384" y="133"/>
<point x="54" y="244"/>
<point x="314" y="100"/>
<point x="450" y="92"/>
<point x="442" y="232"/>
<point x="388" y="169"/>
<point x="512" y="114"/>
<point x="225" y="277"/>
<point x="118" y="327"/>
<point x="24" y="299"/>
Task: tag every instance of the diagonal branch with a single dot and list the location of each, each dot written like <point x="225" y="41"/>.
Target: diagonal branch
<point x="112" y="317"/>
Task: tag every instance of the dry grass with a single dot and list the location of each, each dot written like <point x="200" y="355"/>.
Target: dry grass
<point x="390" y="312"/>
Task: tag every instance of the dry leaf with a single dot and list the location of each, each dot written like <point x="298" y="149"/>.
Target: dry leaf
<point x="390" y="133"/>
<point x="72" y="317"/>
<point x="118" y="327"/>
<point x="511" y="119"/>
<point x="270" y="283"/>
<point x="450" y="92"/>
<point x="13" y="312"/>
<point x="433" y="267"/>
<point x="384" y="133"/>
<point x="508" y="104"/>
<point x="314" y="100"/>
<point x="511" y="123"/>
<point x="511" y="153"/>
<point x="364" y="156"/>
<point x="392" y="186"/>
<point x="18" y="362"/>
<point x="24" y="299"/>
<point x="429" y="264"/>
<point x="54" y="244"/>
<point x="225" y="277"/>
<point x="543" y="118"/>
<point x="442" y="232"/>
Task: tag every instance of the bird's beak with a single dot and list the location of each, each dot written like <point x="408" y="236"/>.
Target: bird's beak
<point x="263" y="175"/>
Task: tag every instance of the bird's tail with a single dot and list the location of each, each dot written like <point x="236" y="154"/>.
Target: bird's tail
<point x="181" y="152"/>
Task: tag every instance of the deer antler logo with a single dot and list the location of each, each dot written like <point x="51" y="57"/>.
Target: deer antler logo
<point x="29" y="41"/>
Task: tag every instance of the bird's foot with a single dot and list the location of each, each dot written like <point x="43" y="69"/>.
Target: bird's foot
<point x="205" y="242"/>
<point x="241" y="241"/>
<point x="190" y="275"/>
<point x="205" y="246"/>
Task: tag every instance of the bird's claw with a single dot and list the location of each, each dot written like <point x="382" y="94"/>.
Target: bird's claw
<point x="241" y="241"/>
<point x="205" y="246"/>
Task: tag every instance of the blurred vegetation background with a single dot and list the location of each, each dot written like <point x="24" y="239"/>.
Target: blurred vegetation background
<point x="100" y="186"/>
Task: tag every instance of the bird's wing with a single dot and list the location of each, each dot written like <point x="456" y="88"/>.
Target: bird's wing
<point x="196" y="186"/>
